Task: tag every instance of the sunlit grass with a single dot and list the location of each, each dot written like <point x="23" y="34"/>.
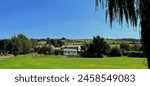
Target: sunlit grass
<point x="60" y="62"/>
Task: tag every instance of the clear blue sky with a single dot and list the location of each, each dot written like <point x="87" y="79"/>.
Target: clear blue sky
<point x="57" y="18"/>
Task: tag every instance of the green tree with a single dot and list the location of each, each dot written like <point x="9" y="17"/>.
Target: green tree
<point x="15" y="44"/>
<point x="59" y="43"/>
<point x="135" y="12"/>
<point x="63" y="38"/>
<point x="25" y="44"/>
<point x="53" y="42"/>
<point x="125" y="46"/>
<point x="48" y="41"/>
<point x="115" y="52"/>
<point x="20" y="44"/>
<point x="97" y="48"/>
<point x="34" y="44"/>
<point x="136" y="47"/>
<point x="6" y="46"/>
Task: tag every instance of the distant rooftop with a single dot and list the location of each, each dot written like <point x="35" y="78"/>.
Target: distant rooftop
<point x="69" y="49"/>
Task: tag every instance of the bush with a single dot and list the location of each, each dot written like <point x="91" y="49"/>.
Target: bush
<point x="136" y="47"/>
<point x="15" y="53"/>
<point x="125" y="46"/>
<point x="124" y="52"/>
<point x="135" y="54"/>
<point x="115" y="52"/>
<point x="46" y="49"/>
<point x="56" y="52"/>
<point x="89" y="55"/>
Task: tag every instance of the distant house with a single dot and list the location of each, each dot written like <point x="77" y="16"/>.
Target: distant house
<point x="69" y="52"/>
<point x="77" y="47"/>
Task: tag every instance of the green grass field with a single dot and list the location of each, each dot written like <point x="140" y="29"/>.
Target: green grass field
<point x="60" y="62"/>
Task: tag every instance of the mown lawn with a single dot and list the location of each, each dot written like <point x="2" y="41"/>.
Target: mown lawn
<point x="59" y="62"/>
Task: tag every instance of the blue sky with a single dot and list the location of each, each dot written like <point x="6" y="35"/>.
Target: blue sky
<point x="74" y="19"/>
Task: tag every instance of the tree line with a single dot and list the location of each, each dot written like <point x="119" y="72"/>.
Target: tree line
<point x="21" y="44"/>
<point x="99" y="48"/>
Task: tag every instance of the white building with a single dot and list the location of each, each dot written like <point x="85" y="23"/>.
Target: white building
<point x="69" y="52"/>
<point x="77" y="47"/>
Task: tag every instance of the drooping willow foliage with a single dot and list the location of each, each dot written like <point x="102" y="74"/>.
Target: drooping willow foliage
<point x="134" y="12"/>
<point x="131" y="10"/>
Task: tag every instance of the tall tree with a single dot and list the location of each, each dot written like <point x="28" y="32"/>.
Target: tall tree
<point x="97" y="48"/>
<point x="133" y="11"/>
<point x="15" y="44"/>
<point x="20" y="44"/>
<point x="25" y="44"/>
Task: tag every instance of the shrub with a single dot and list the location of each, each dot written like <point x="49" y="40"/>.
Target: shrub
<point x="56" y="52"/>
<point x="125" y="46"/>
<point x="135" y="54"/>
<point x="124" y="52"/>
<point x="115" y="52"/>
<point x="136" y="47"/>
<point x="46" y="49"/>
<point x="15" y="53"/>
